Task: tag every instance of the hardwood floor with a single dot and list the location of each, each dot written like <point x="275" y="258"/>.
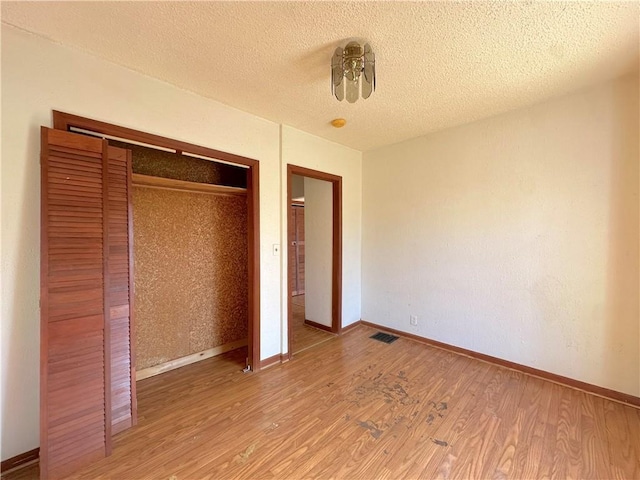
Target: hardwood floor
<point x="304" y="336"/>
<point x="356" y="408"/>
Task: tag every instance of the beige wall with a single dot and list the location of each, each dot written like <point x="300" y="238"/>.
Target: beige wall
<point x="318" y="250"/>
<point x="297" y="187"/>
<point x="515" y="236"/>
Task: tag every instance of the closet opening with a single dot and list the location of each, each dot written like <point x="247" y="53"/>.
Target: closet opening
<point x="196" y="174"/>
<point x="190" y="259"/>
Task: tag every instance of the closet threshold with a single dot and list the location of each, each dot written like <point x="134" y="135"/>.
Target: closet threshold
<point x="149" y="181"/>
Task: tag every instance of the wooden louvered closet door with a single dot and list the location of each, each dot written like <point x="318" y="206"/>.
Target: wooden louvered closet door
<point x="123" y="381"/>
<point x="81" y="219"/>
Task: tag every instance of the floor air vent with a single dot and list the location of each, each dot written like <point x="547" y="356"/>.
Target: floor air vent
<point x="384" y="337"/>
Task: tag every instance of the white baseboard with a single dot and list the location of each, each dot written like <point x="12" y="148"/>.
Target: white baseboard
<point x="194" y="357"/>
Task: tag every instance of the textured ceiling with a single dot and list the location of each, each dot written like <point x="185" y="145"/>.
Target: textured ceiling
<point x="439" y="64"/>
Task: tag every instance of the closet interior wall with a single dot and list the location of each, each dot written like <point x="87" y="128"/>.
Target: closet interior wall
<point x="190" y="261"/>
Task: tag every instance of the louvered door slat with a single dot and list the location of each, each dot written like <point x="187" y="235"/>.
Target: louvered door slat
<point x="75" y="424"/>
<point x="122" y="380"/>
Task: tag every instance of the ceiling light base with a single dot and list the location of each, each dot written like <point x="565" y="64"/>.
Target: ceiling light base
<point x="353" y="72"/>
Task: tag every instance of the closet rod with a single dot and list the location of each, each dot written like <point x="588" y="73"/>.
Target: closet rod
<point x="150" y="181"/>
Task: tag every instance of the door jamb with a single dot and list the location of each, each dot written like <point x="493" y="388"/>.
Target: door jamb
<point x="336" y="273"/>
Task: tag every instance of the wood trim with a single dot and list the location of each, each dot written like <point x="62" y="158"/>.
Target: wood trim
<point x="20" y="461"/>
<point x="132" y="330"/>
<point x="253" y="245"/>
<point x="336" y="275"/>
<point x="350" y="327"/>
<point x="317" y="325"/>
<point x="188" y="359"/>
<point x="150" y="181"/>
<point x="290" y="286"/>
<point x="64" y="121"/>
<point x="311" y="173"/>
<point x="106" y="286"/>
<point x="552" y="377"/>
<point x="44" y="296"/>
<point x="271" y="361"/>
<point x="337" y="257"/>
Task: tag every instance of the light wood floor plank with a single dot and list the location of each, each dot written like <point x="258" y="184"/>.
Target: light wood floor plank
<point x="547" y="468"/>
<point x="623" y="442"/>
<point x="353" y="408"/>
<point x="303" y="336"/>
<point x="532" y="411"/>
<point x="595" y="452"/>
<point x="473" y="431"/>
<point x="499" y="459"/>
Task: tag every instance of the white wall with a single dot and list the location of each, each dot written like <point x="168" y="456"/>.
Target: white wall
<point x="318" y="250"/>
<point x="305" y="150"/>
<point x="515" y="236"/>
<point x="297" y="187"/>
<point x="38" y="76"/>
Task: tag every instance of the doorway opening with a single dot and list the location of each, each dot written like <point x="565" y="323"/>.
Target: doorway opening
<point x="314" y="252"/>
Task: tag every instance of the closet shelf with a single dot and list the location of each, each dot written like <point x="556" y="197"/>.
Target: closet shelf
<point x="149" y="181"/>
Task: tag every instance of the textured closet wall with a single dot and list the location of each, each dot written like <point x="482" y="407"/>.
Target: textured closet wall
<point x="150" y="161"/>
<point x="190" y="252"/>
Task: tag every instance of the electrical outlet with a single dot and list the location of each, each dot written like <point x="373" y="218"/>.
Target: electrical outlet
<point x="413" y="320"/>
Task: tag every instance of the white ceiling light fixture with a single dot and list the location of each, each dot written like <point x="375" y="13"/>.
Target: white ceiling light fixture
<point x="353" y="67"/>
